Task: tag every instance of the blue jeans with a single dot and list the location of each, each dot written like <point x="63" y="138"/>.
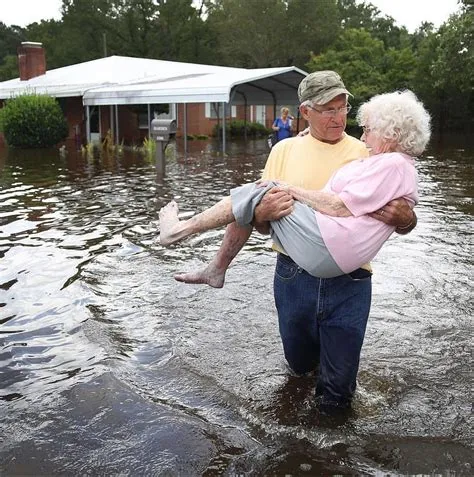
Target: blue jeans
<point x="322" y="324"/>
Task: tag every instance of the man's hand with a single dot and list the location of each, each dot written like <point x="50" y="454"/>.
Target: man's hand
<point x="397" y="213"/>
<point x="275" y="204"/>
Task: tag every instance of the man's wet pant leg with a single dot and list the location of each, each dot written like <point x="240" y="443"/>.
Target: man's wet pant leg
<point x="323" y="321"/>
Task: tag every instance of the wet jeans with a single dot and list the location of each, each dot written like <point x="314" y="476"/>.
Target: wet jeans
<point x="322" y="324"/>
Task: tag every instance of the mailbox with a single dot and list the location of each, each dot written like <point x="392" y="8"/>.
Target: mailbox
<point x="163" y="129"/>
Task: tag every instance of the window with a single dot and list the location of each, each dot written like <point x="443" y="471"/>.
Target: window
<point x="156" y="110"/>
<point x="213" y="108"/>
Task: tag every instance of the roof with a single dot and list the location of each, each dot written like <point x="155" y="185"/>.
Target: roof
<point x="128" y="80"/>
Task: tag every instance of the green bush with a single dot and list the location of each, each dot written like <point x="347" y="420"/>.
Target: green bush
<point x="236" y="128"/>
<point x="33" y="121"/>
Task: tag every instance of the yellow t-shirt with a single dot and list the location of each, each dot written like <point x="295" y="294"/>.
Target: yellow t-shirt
<point x="309" y="163"/>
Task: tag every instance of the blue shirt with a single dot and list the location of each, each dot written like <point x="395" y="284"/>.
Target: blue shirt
<point x="285" y="128"/>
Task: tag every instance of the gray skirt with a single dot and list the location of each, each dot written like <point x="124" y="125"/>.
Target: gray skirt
<point x="297" y="234"/>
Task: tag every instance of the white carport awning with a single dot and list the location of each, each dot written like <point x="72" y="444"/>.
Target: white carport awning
<point x="119" y="80"/>
<point x="239" y="86"/>
<point x="75" y="80"/>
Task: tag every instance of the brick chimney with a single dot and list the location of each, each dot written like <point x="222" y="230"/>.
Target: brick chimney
<point x="31" y="60"/>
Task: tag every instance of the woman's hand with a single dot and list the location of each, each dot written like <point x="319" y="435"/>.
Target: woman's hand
<point x="304" y="132"/>
<point x="278" y="184"/>
<point x="262" y="183"/>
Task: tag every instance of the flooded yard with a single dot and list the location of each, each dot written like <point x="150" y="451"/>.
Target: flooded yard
<point x="110" y="367"/>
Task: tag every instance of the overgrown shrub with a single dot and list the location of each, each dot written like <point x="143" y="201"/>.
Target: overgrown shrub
<point x="236" y="128"/>
<point x="33" y="121"/>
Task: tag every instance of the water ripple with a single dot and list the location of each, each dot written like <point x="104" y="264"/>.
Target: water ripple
<point x="99" y="344"/>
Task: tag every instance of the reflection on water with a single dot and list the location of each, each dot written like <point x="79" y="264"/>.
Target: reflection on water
<point x="108" y="366"/>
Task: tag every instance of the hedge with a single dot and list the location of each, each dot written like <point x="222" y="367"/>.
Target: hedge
<point x="33" y="121"/>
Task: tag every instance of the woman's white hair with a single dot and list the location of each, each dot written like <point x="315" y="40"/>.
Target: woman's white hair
<point x="398" y="117"/>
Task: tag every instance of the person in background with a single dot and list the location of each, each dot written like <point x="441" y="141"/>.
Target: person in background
<point x="283" y="125"/>
<point x="322" y="321"/>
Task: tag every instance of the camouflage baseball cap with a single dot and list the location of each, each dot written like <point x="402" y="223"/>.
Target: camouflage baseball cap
<point x="321" y="86"/>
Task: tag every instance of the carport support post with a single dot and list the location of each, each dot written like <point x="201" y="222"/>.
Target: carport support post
<point x="245" y="118"/>
<point x="116" y="125"/>
<point x="112" y="127"/>
<point x="223" y="126"/>
<point x="149" y="121"/>
<point x="88" y="124"/>
<point x="185" y="122"/>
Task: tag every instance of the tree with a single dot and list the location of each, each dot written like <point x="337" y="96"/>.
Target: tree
<point x="9" y="68"/>
<point x="309" y="30"/>
<point x="365" y="15"/>
<point x="85" y="22"/>
<point x="183" y="35"/>
<point x="171" y="30"/>
<point x="131" y="28"/>
<point x="250" y="34"/>
<point x="56" y="42"/>
<point x="452" y="71"/>
<point x="10" y="39"/>
<point x="366" y="65"/>
<point x="268" y="33"/>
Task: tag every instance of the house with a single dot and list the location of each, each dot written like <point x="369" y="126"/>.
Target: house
<point x="123" y="94"/>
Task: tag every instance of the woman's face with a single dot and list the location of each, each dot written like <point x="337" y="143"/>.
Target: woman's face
<point x="284" y="113"/>
<point x="374" y="143"/>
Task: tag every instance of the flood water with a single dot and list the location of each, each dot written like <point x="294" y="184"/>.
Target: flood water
<point x="110" y="367"/>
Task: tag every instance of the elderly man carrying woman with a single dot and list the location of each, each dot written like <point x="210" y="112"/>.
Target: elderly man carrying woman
<point x="330" y="232"/>
<point x="322" y="321"/>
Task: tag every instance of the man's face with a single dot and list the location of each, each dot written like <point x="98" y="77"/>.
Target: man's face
<point x="326" y="128"/>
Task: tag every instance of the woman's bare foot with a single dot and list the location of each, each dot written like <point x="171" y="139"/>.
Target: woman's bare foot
<point x="209" y="275"/>
<point x="168" y="223"/>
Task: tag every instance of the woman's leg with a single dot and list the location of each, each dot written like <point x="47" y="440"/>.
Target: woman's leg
<point x="213" y="274"/>
<point x="173" y="230"/>
<point x="236" y="210"/>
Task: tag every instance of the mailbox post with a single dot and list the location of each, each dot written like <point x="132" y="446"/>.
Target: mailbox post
<point x="161" y="131"/>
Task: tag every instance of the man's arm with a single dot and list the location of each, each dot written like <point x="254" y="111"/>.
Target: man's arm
<point x="409" y="226"/>
<point x="398" y="214"/>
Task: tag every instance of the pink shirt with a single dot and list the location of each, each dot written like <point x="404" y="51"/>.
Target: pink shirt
<point x="365" y="185"/>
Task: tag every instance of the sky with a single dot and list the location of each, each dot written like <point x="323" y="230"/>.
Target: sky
<point x="408" y="13"/>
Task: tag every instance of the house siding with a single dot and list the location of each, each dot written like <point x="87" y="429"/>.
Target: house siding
<point x="129" y="131"/>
